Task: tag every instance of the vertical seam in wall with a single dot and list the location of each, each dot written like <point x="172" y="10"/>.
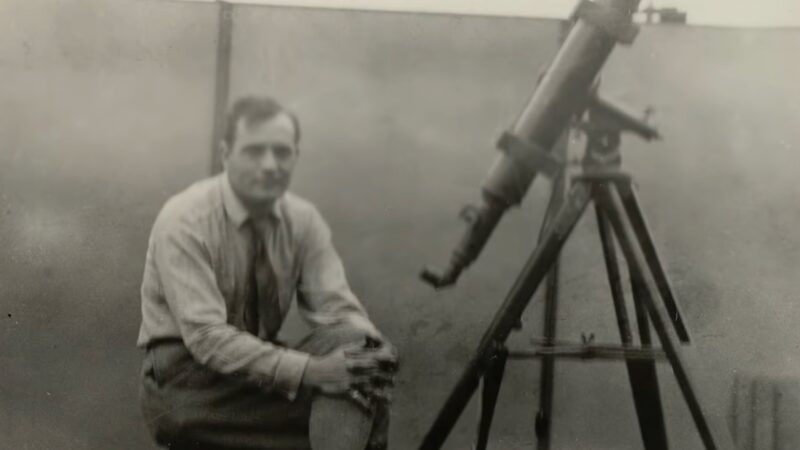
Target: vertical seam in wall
<point x="734" y="408"/>
<point x="753" y="410"/>
<point x="221" y="81"/>
<point x="776" y="395"/>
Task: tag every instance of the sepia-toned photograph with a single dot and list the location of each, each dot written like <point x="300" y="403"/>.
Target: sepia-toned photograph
<point x="399" y="225"/>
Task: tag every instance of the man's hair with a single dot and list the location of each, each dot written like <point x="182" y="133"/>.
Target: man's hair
<point x="253" y="110"/>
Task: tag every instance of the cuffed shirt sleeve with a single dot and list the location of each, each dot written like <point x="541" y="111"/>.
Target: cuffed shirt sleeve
<point x="190" y="288"/>
<point x="289" y="373"/>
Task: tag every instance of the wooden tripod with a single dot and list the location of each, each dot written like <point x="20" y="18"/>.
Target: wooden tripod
<point x="620" y="218"/>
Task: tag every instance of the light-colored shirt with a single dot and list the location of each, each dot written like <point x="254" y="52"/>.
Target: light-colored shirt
<point x="196" y="276"/>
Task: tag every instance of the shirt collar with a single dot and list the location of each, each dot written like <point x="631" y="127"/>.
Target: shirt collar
<point x="234" y="208"/>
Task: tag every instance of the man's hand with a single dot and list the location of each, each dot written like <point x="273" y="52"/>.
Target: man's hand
<point x="381" y="368"/>
<point x="353" y="366"/>
<point x="330" y="374"/>
<point x="380" y="359"/>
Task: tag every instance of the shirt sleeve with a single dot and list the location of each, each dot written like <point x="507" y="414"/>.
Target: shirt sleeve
<point x="324" y="294"/>
<point x="191" y="291"/>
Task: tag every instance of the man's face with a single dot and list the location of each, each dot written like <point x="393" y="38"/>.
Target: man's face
<point x="262" y="158"/>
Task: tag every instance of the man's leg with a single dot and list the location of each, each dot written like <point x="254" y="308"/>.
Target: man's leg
<point x="188" y="406"/>
<point x="337" y="422"/>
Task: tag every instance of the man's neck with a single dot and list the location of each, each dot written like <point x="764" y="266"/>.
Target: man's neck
<point x="259" y="211"/>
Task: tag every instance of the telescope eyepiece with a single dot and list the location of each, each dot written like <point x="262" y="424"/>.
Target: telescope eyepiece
<point x="437" y="278"/>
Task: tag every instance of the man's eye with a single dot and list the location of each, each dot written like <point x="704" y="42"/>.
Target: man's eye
<point x="282" y="151"/>
<point x="253" y="150"/>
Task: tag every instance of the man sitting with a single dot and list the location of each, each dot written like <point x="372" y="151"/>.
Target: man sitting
<point x="226" y="257"/>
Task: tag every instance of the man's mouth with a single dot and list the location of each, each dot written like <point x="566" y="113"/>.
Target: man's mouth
<point x="269" y="183"/>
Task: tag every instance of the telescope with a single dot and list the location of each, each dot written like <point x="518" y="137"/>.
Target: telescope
<point x="565" y="90"/>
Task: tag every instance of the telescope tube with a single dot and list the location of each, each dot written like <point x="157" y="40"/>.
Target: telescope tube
<point x="563" y="91"/>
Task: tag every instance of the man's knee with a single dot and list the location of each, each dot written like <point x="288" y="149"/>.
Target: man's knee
<point x="326" y="339"/>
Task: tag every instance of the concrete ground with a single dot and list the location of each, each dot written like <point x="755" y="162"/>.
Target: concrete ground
<point x="107" y="112"/>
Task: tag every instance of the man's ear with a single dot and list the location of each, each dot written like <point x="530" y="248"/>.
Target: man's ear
<point x="224" y="152"/>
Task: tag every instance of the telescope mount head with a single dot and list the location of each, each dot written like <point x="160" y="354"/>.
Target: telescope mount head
<point x="603" y="123"/>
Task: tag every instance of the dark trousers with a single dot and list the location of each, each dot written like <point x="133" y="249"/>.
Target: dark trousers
<point x="187" y="405"/>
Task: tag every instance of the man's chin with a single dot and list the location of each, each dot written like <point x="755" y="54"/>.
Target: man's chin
<point x="265" y="196"/>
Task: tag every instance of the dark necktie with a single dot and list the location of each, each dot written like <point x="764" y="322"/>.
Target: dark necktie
<point x="263" y="299"/>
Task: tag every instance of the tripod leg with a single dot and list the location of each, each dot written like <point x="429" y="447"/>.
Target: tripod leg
<point x="491" y="388"/>
<point x="641" y="374"/>
<point x="639" y="225"/>
<point x="612" y="269"/>
<point x="607" y="196"/>
<point x="547" y="376"/>
<point x="640" y="290"/>
<point x="508" y="315"/>
<point x="656" y="412"/>
<point x="547" y="368"/>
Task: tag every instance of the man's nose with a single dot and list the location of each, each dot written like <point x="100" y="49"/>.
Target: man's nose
<point x="268" y="161"/>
